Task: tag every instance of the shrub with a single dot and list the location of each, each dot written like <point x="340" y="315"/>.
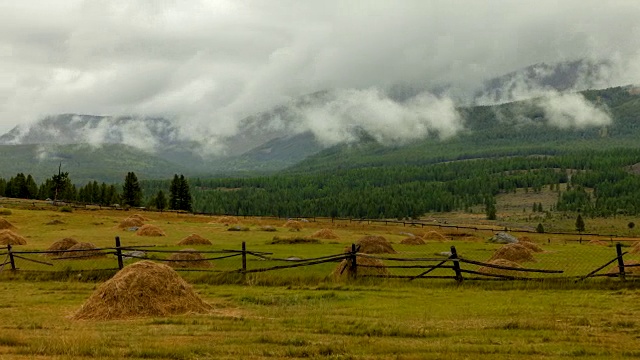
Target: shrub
<point x="66" y="209"/>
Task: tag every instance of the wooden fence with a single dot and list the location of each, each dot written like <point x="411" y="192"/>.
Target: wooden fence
<point x="455" y="267"/>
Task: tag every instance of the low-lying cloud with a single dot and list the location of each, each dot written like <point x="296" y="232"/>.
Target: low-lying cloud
<point x="206" y="65"/>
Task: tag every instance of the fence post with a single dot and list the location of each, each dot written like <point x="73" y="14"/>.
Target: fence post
<point x="354" y="263"/>
<point x="13" y="263"/>
<point x="456" y="264"/>
<point x="244" y="258"/>
<point x="620" y="260"/>
<point x="119" y="253"/>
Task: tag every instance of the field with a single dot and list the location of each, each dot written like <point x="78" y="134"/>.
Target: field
<point x="306" y="313"/>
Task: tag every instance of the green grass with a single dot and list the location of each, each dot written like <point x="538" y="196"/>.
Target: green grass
<point x="356" y="321"/>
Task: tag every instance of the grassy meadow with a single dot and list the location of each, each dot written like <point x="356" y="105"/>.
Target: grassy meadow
<point x="307" y="313"/>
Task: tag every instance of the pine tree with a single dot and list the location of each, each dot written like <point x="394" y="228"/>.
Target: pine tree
<point x="185" y="194"/>
<point x="579" y="224"/>
<point x="131" y="191"/>
<point x="160" y="201"/>
<point x="540" y="228"/>
<point x="173" y="192"/>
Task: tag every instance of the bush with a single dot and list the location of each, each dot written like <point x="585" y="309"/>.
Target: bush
<point x="540" y="228"/>
<point x="66" y="209"/>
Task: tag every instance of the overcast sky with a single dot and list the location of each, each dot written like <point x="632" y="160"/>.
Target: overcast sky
<point x="210" y="63"/>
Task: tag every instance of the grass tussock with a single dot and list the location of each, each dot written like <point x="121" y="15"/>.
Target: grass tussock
<point x="277" y="240"/>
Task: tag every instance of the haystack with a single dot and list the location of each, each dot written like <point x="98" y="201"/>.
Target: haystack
<point x="293" y="225"/>
<point x="598" y="242"/>
<point x="434" y="235"/>
<point x="4" y="224"/>
<point x="513" y="252"/>
<point x="194" y="239"/>
<point x="8" y="237"/>
<point x="188" y="258"/>
<point x="531" y="246"/>
<point x="502" y="262"/>
<point x="63" y="244"/>
<point x="143" y="288"/>
<point x="375" y="245"/>
<point x="85" y="251"/>
<point x="268" y="228"/>
<point x="324" y="234"/>
<point x="627" y="270"/>
<point x="413" y="240"/>
<point x="365" y="266"/>
<point x="130" y="222"/>
<point x="150" y="230"/>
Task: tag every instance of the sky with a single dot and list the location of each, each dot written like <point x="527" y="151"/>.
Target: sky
<point x="208" y="64"/>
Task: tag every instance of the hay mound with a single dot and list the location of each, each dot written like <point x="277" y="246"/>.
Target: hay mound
<point x="502" y="262"/>
<point x="531" y="246"/>
<point x="268" y="228"/>
<point x="324" y="234"/>
<point x="597" y="242"/>
<point x="413" y="240"/>
<point x="150" y="230"/>
<point x="434" y="235"/>
<point x="89" y="251"/>
<point x="513" y="252"/>
<point x="365" y="266"/>
<point x="8" y="237"/>
<point x="130" y="222"/>
<point x="503" y="238"/>
<point x="188" y="258"/>
<point x="194" y="239"/>
<point x="375" y="245"/>
<point x="627" y="270"/>
<point x="238" y="228"/>
<point x="293" y="225"/>
<point x="63" y="244"/>
<point x="143" y="288"/>
<point x="4" y="224"/>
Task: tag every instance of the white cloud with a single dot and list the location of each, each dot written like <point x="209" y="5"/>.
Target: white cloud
<point x="208" y="64"/>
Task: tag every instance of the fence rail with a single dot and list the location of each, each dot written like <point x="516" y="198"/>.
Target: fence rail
<point x="353" y="262"/>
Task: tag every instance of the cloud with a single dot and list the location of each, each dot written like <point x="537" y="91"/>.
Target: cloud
<point x="573" y="111"/>
<point x="208" y="64"/>
<point x="341" y="119"/>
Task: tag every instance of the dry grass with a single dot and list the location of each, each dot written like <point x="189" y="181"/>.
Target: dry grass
<point x="324" y="234"/>
<point x="293" y="225"/>
<point x="226" y="220"/>
<point x="188" y="258"/>
<point x="139" y="217"/>
<point x="194" y="239"/>
<point x="434" y="236"/>
<point x="8" y="237"/>
<point x="627" y="270"/>
<point x="89" y="251"/>
<point x="62" y="244"/>
<point x="513" y="252"/>
<point x="598" y="243"/>
<point x="4" y="224"/>
<point x="502" y="262"/>
<point x="635" y="248"/>
<point x="144" y="288"/>
<point x="413" y="240"/>
<point x="365" y="266"/>
<point x="375" y="245"/>
<point x="150" y="230"/>
<point x="531" y="246"/>
<point x="130" y="222"/>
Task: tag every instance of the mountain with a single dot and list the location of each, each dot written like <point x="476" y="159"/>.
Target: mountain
<point x="575" y="75"/>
